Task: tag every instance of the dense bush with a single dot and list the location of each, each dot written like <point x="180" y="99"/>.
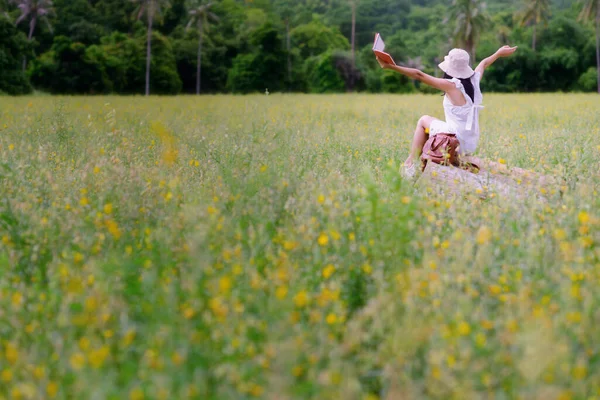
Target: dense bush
<point x="13" y="47"/>
<point x="588" y="81"/>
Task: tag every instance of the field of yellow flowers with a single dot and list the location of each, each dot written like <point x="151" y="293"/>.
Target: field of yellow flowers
<point x="266" y="247"/>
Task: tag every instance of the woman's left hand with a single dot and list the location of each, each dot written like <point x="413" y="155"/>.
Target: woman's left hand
<point x="382" y="63"/>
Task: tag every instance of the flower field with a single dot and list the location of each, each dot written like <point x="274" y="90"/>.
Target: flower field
<point x="267" y="247"/>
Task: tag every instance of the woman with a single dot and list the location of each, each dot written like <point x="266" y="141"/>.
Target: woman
<point x="461" y="103"/>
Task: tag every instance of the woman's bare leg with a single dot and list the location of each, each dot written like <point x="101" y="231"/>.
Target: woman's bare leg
<point x="419" y="139"/>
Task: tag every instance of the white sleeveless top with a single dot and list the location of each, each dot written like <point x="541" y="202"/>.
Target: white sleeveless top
<point x="464" y="120"/>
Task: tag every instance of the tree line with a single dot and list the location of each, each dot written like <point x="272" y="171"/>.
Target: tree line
<point x="317" y="46"/>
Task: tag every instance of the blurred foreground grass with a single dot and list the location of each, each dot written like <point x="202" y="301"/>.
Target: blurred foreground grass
<point x="265" y="246"/>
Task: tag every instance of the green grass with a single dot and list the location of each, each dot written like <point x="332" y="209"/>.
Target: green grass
<point x="266" y="246"/>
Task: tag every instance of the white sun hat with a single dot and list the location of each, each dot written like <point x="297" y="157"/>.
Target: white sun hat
<point x="456" y="64"/>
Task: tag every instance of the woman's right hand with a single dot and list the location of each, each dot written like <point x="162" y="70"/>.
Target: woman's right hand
<point x="506" y="51"/>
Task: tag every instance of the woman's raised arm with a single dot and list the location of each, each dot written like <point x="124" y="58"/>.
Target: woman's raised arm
<point x="503" y="51"/>
<point x="438" y="83"/>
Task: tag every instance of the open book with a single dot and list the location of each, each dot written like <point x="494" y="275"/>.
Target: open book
<point x="378" y="49"/>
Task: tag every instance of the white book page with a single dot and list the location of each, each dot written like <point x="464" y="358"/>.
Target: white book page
<point x="379" y="45"/>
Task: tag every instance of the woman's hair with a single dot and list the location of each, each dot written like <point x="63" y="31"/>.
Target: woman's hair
<point x="467" y="85"/>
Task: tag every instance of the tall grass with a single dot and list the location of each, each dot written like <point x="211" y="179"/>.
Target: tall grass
<point x="266" y="246"/>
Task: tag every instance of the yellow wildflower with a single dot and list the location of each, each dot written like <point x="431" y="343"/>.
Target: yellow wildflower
<point x="136" y="394"/>
<point x="301" y="298"/>
<point x="77" y="361"/>
<point x="484" y="234"/>
<point x="331" y="319"/>
<point x="328" y="271"/>
<point x="281" y="292"/>
<point x="323" y="239"/>
<point x="464" y="328"/>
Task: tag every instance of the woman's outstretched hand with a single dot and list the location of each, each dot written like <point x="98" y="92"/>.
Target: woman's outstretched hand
<point x="506" y="51"/>
<point x="383" y="64"/>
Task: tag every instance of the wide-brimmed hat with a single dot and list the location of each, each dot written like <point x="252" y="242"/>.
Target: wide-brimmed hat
<point x="456" y="64"/>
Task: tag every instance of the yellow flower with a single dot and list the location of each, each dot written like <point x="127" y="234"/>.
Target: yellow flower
<point x="301" y="298"/>
<point x="11" y="147"/>
<point x="98" y="356"/>
<point x="108" y="208"/>
<point x="77" y="361"/>
<point x="6" y="375"/>
<point x="84" y="201"/>
<point x="128" y="338"/>
<point x="321" y="199"/>
<point x="96" y="170"/>
<point x="495" y="289"/>
<point x="323" y="239"/>
<point x="370" y="396"/>
<point x="584" y="217"/>
<point x="405" y="199"/>
<point x="218" y="307"/>
<point x="177" y="358"/>
<point x="51" y="389"/>
<point x="484" y="234"/>
<point x="281" y="292"/>
<point x="136" y="394"/>
<point x="464" y="328"/>
<point x="480" y="339"/>
<point x="297" y="370"/>
<point x="331" y="319"/>
<point x="225" y="285"/>
<point x="579" y="372"/>
<point x="12" y="354"/>
<point x="211" y="210"/>
<point x="574" y="317"/>
<point x="113" y="228"/>
<point x="367" y="269"/>
<point x="84" y="343"/>
<point x="256" y="390"/>
<point x="188" y="312"/>
<point x="91" y="304"/>
<point x="328" y="271"/>
<point x="17" y="299"/>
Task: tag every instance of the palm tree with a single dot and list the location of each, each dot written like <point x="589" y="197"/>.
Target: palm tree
<point x="152" y="9"/>
<point x="353" y="32"/>
<point x="535" y="11"/>
<point x="286" y="9"/>
<point x="34" y="10"/>
<point x="470" y="19"/>
<point x="591" y="10"/>
<point x="200" y="16"/>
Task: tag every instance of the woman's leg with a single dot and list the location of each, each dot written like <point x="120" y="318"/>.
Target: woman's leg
<point x="419" y="139"/>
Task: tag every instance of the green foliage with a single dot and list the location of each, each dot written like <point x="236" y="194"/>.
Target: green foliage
<point x="69" y="68"/>
<point x="248" y="50"/>
<point x="164" y="78"/>
<point x="13" y="45"/>
<point x="115" y="65"/>
<point x="322" y="76"/>
<point x="123" y="58"/>
<point x="259" y="70"/>
<point x="395" y="83"/>
<point x="588" y="81"/>
<point x="316" y="38"/>
<point x="243" y="76"/>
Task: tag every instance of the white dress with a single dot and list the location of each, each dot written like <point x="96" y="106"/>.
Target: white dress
<point x="462" y="120"/>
